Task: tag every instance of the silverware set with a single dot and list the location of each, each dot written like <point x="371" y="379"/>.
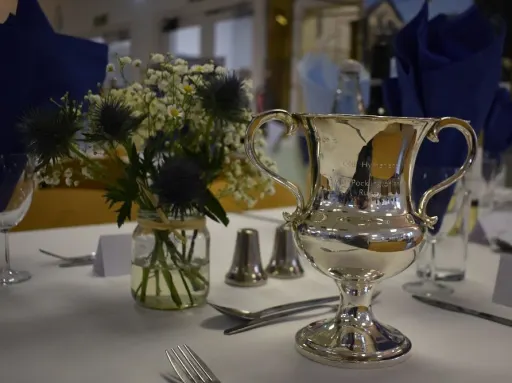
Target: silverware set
<point x="255" y="319"/>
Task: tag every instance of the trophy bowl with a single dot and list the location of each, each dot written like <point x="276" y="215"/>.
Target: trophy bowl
<point x="359" y="226"/>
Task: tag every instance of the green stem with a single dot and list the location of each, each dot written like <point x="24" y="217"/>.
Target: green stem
<point x="166" y="274"/>
<point x="189" y="292"/>
<point x="192" y="246"/>
<point x="157" y="282"/>
<point x="143" y="287"/>
<point x="192" y="274"/>
<point x="183" y="245"/>
<point x="94" y="164"/>
<point x="99" y="172"/>
<point x="162" y="237"/>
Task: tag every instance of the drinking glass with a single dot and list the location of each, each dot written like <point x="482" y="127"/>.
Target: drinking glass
<point x="449" y="216"/>
<point x="16" y="190"/>
<point x="452" y="239"/>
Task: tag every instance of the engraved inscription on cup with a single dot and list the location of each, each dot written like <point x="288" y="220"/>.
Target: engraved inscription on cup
<point x="360" y="227"/>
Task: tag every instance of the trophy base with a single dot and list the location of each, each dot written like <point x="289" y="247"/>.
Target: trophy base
<point x="345" y="346"/>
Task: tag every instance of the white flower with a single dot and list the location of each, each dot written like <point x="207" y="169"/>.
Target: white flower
<point x="69" y="182"/>
<point x="221" y="70"/>
<point x="68" y="173"/>
<point x="162" y="85"/>
<point x="208" y="68"/>
<point x="157" y="58"/>
<point x="248" y="84"/>
<point x="137" y="63"/>
<point x="111" y="68"/>
<point x="137" y="87"/>
<point x="197" y="69"/>
<point x="125" y="60"/>
<point x="94" y="98"/>
<point x="174" y="112"/>
<point x="180" y="69"/>
<point x="187" y="88"/>
<point x="86" y="173"/>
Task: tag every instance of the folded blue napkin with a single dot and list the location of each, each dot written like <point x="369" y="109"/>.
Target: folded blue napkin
<point x="41" y="65"/>
<point x="448" y="66"/>
<point x="498" y="126"/>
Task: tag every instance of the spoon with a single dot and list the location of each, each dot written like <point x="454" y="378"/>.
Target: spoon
<point x="81" y="260"/>
<point x="246" y="315"/>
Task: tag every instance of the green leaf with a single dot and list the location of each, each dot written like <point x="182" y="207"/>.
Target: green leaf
<point x="124" y="213"/>
<point x="210" y="215"/>
<point x="215" y="207"/>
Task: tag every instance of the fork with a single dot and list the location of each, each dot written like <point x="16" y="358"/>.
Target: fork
<point x="189" y="366"/>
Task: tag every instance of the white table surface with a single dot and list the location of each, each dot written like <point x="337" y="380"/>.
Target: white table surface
<point x="67" y="326"/>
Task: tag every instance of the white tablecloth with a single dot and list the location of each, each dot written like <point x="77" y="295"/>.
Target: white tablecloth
<point x="67" y="326"/>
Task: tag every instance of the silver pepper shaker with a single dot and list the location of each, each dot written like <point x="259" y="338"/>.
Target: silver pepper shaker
<point x="285" y="261"/>
<point x="246" y="269"/>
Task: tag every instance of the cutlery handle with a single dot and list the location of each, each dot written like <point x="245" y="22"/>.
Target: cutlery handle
<point x="255" y="323"/>
<point x="77" y="263"/>
<point x="297" y="305"/>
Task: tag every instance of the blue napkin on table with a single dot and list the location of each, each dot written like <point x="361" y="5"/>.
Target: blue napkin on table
<point x="39" y="65"/>
<point x="448" y="66"/>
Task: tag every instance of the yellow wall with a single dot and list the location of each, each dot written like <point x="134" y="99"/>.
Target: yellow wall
<point x="65" y="207"/>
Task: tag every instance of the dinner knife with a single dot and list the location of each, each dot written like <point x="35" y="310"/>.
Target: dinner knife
<point x="270" y="318"/>
<point x="463" y="310"/>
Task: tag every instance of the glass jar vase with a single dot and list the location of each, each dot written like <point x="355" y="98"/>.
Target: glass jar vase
<point x="170" y="261"/>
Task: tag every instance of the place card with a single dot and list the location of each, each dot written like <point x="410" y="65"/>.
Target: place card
<point x="503" y="288"/>
<point x="113" y="256"/>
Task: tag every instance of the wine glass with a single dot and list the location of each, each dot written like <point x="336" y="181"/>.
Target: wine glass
<point x="448" y="212"/>
<point x="16" y="190"/>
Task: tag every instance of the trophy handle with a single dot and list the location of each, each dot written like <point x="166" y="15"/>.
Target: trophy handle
<point x="291" y="126"/>
<point x="433" y="135"/>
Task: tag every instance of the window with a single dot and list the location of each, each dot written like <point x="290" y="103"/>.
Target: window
<point x="186" y="42"/>
<point x="233" y="41"/>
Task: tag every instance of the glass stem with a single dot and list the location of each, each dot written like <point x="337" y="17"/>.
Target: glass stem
<point x="6" y="264"/>
<point x="431" y="273"/>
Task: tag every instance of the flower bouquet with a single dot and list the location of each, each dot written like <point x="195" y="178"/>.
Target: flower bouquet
<point x="163" y="142"/>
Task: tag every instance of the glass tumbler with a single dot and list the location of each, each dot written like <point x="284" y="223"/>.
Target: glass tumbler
<point x="451" y="240"/>
<point x="450" y="212"/>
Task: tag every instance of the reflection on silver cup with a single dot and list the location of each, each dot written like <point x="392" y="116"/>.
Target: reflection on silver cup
<point x="360" y="225"/>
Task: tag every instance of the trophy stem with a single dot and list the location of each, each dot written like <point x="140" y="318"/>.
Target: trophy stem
<point x="353" y="297"/>
<point x="354" y="338"/>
